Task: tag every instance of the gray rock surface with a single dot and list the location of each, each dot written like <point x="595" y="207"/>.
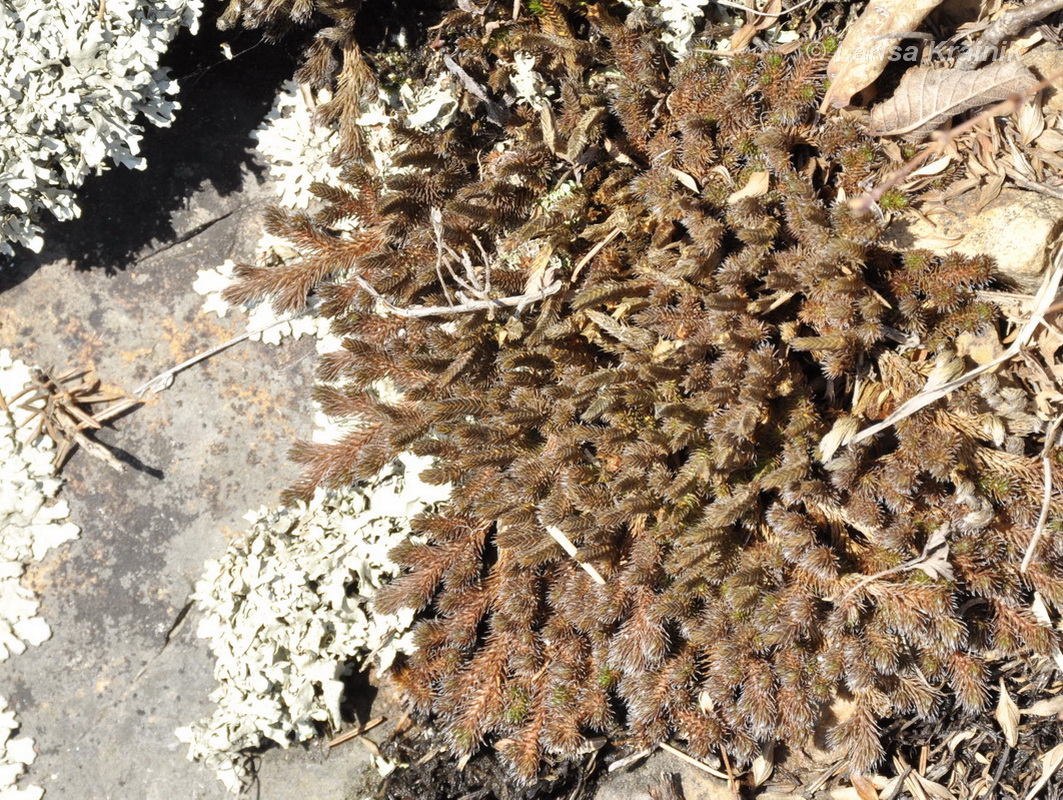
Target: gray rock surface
<point x="1018" y="229"/>
<point x="635" y="783"/>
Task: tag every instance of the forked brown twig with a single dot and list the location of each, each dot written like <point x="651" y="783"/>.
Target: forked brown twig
<point x="1009" y="24"/>
<point x="355" y="733"/>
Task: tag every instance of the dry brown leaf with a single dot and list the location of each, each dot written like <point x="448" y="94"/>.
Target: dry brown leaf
<point x="1007" y="716"/>
<point x="1040" y="610"/>
<point x="539" y="271"/>
<point x="932" y="789"/>
<point x="765" y="19"/>
<point x="985" y="153"/>
<point x="934" y="561"/>
<point x="928" y="97"/>
<point x="763" y="765"/>
<point x="991" y="191"/>
<point x="1046" y="708"/>
<point x="935" y="167"/>
<point x="1021" y="163"/>
<point x="758" y="184"/>
<point x="1030" y="121"/>
<point x="864" y="787"/>
<point x="959" y="738"/>
<point x="1051" y="140"/>
<point x="954" y="190"/>
<point x="870" y="43"/>
<point x="686" y="179"/>
<point x="741" y="38"/>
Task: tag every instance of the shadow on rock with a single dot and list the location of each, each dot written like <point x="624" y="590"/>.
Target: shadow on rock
<point x="129" y="213"/>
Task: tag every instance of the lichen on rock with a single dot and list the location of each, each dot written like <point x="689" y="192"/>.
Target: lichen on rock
<point x="15" y="756"/>
<point x="81" y="75"/>
<point x="32" y="522"/>
<point x="286" y="613"/>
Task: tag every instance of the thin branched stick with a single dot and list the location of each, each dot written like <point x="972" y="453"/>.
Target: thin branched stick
<point x="566" y="544"/>
<point x="1009" y="24"/>
<point x="164" y="380"/>
<point x="1046" y="503"/>
<point x="689" y="759"/>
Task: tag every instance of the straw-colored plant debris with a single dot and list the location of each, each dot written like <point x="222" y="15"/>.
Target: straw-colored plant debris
<point x="66" y="408"/>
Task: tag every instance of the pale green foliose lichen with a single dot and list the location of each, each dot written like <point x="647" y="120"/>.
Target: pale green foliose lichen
<point x="286" y="613"/>
<point x="79" y="76"/>
<point x="15" y="756"/>
<point x="31" y="523"/>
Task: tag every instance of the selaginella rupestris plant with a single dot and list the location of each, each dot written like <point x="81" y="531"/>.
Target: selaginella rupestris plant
<point x="699" y="309"/>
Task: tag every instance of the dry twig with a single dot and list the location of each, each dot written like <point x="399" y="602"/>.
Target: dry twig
<point x="675" y="751"/>
<point x="164" y="380"/>
<point x="1046" y="502"/>
<point x="463" y="307"/>
<point x="776" y="14"/>
<point x="593" y="252"/>
<point x="933" y="560"/>
<point x="355" y="732"/>
<point x="1007" y="25"/>
<point x="567" y="545"/>
<point x="1033" y="186"/>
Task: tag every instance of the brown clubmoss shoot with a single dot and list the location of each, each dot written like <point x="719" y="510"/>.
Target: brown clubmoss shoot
<point x="663" y="408"/>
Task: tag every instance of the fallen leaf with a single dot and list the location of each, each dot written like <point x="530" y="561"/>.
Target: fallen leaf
<point x="935" y="167"/>
<point x="1040" y="610"/>
<point x="1046" y="708"/>
<point x="870" y="44"/>
<point x="763" y="765"/>
<point x="741" y="38"/>
<point x="865" y="789"/>
<point x="932" y="789"/>
<point x="1030" y="121"/>
<point x="1051" y="140"/>
<point x="928" y="97"/>
<point x="1021" y="163"/>
<point x="934" y="561"/>
<point x="991" y="191"/>
<point x="686" y="179"/>
<point x="539" y="273"/>
<point x="959" y="739"/>
<point x="757" y="185"/>
<point x="765" y="19"/>
<point x="1007" y="715"/>
<point x="843" y="430"/>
